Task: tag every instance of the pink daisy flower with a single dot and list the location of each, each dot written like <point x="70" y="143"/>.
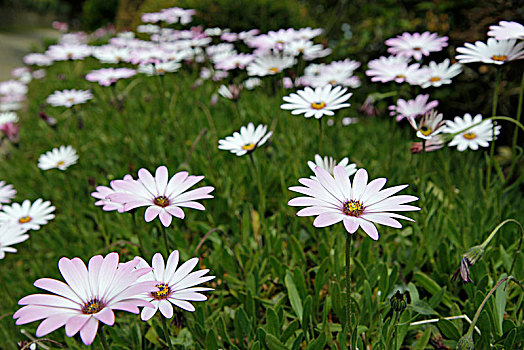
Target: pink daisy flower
<point x="103" y="191"/>
<point x="412" y="108"/>
<point x="385" y="69"/>
<point x="361" y="204"/>
<point x="109" y="76"/>
<point x="175" y="285"/>
<point x="89" y="295"/>
<point x="7" y="192"/>
<point x="162" y="197"/>
<point x="416" y="45"/>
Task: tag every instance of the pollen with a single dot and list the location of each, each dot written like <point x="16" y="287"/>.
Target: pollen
<point x="162" y="293"/>
<point x="60" y="163"/>
<point x="318" y="105"/>
<point x="469" y="135"/>
<point x="500" y="58"/>
<point x="24" y="219"/>
<point x="161" y="201"/>
<point x="353" y="208"/>
<point x="92" y="307"/>
<point x="434" y="79"/>
<point x="273" y="70"/>
<point x="400" y="76"/>
<point x="417" y="48"/>
<point x="249" y="146"/>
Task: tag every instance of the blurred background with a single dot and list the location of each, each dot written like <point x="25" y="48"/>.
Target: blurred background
<point x="353" y="28"/>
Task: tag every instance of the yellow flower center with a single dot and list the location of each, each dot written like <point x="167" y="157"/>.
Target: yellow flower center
<point x="160" y="71"/>
<point x="161" y="201"/>
<point x="92" y="307"/>
<point x="162" y="293"/>
<point x="400" y="76"/>
<point x="424" y="130"/>
<point x="416" y="48"/>
<point x="318" y="105"/>
<point x="433" y="79"/>
<point x="469" y="135"/>
<point x="353" y="208"/>
<point x="69" y="55"/>
<point x="24" y="219"/>
<point x="60" y="163"/>
<point x="273" y="70"/>
<point x="333" y="82"/>
<point x="249" y="146"/>
<point x="500" y="58"/>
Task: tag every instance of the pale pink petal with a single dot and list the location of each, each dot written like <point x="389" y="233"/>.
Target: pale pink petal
<point x="151" y="213"/>
<point x="351" y="224"/>
<point x="166" y="308"/>
<point x="106" y="316"/>
<point x="75" y="323"/>
<point x="327" y="219"/>
<point x="165" y="218"/>
<point x="369" y="228"/>
<point x="88" y="332"/>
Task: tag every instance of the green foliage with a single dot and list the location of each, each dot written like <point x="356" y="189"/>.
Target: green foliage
<point x="98" y="13"/>
<point x="280" y="281"/>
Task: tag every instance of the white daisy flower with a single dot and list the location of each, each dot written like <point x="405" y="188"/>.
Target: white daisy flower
<point x="415" y="45"/>
<point x="8" y="117"/>
<point x="69" y="98"/>
<point x="68" y="52"/>
<point x="307" y="48"/>
<point x="438" y="74"/>
<point x="176" y="285"/>
<point x="318" y="102"/>
<point x="495" y="51"/>
<point x="7" y="192"/>
<point x="10" y="235"/>
<point x="231" y="92"/>
<point x="394" y="68"/>
<point x="245" y="141"/>
<point x="159" y="68"/>
<point x="269" y="65"/>
<point x="59" y="158"/>
<point x="507" y="30"/>
<point x="479" y="135"/>
<point x="28" y="216"/>
<point x="430" y="124"/>
<point x="252" y="83"/>
<point x="112" y="54"/>
<point x="12" y="88"/>
<point x="328" y="163"/>
<point x="37" y="59"/>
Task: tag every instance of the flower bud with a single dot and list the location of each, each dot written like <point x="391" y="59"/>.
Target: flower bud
<point x="466" y="343"/>
<point x="468" y="259"/>
<point x="399" y="301"/>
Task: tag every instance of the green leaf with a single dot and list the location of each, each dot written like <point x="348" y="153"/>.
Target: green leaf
<point x="290" y="329"/>
<point x="422" y="308"/>
<point x="423" y="340"/>
<point x="307" y="312"/>
<point x="431" y="286"/>
<point x="211" y="341"/>
<point x="318" y="344"/>
<point x="293" y="295"/>
<point x="501" y="295"/>
<point x="272" y="322"/>
<point x="273" y="343"/>
<point x="449" y="330"/>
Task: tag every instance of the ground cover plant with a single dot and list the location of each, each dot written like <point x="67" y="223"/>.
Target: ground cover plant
<point x="158" y="179"/>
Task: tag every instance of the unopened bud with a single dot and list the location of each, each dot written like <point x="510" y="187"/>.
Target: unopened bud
<point x="468" y="259"/>
<point x="466" y="343"/>
<point x="399" y="301"/>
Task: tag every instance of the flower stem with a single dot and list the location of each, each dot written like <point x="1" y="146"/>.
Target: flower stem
<point x="261" y="194"/>
<point x="421" y="170"/>
<point x="516" y="132"/>
<point x="348" y="284"/>
<point x="166" y="333"/>
<point x="103" y="338"/>
<point x="395" y="322"/>
<point x="320" y="136"/>
<point x="493" y="113"/>
<point x="495" y="230"/>
<point x="166" y="244"/>
<point x="135" y="231"/>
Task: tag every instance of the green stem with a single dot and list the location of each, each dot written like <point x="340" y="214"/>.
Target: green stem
<point x="395" y="322"/>
<point x="103" y="338"/>
<point x="138" y="235"/>
<point x="479" y="310"/>
<point x="493" y="113"/>
<point x="320" y="136"/>
<point x="421" y="169"/>
<point x="495" y="230"/>
<point x="261" y="193"/>
<point x="516" y="132"/>
<point x="348" y="283"/>
<point x="166" y="332"/>
<point x="166" y="244"/>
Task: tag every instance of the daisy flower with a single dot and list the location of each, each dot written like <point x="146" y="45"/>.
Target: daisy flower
<point x="112" y="54"/>
<point x="252" y="83"/>
<point x="393" y="68"/>
<point x="8" y="117"/>
<point x="438" y="74"/>
<point x="318" y="102"/>
<point x="430" y="124"/>
<point x="162" y="197"/>
<point x="307" y="48"/>
<point x="234" y="61"/>
<point x="416" y="45"/>
<point x="361" y="204"/>
<point x="28" y="216"/>
<point x="12" y="88"/>
<point x="245" y="141"/>
<point x="10" y="235"/>
<point x="7" y="192"/>
<point x="231" y="92"/>
<point x="102" y="192"/>
<point x="109" y="76"/>
<point x="59" y="158"/>
<point x="507" y="30"/>
<point x="37" y="59"/>
<point x="328" y="163"/>
<point x="412" y="108"/>
<point x="159" y="68"/>
<point x="175" y="285"/>
<point x="269" y="65"/>
<point x="89" y="295"/>
<point x="495" y="51"/>
<point x="478" y="135"/>
<point x="68" y="52"/>
<point x="69" y="98"/>
<point x="434" y="143"/>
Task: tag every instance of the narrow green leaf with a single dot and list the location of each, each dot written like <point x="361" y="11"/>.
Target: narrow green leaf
<point x="317" y="344"/>
<point x="423" y="340"/>
<point x="293" y="295"/>
<point x="273" y="343"/>
<point x="211" y="341"/>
